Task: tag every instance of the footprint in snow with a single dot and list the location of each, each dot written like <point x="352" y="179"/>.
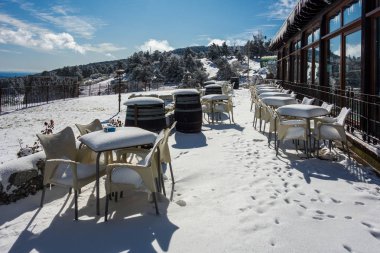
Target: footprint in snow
<point x="181" y="203"/>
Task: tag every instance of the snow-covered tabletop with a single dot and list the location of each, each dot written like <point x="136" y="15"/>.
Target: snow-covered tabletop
<point x="215" y="97"/>
<point x="301" y="110"/>
<point x="278" y="101"/>
<point x="273" y="94"/>
<point x="185" y="92"/>
<point x="143" y="101"/>
<point x="123" y="137"/>
<point x="261" y="91"/>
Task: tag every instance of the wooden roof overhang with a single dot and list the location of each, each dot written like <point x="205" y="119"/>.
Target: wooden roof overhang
<point x="302" y="14"/>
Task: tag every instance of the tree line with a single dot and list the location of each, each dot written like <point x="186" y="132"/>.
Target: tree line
<point x="177" y="66"/>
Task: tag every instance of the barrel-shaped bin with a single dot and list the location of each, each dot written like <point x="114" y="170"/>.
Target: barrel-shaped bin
<point x="188" y="111"/>
<point x="213" y="89"/>
<point x="146" y="112"/>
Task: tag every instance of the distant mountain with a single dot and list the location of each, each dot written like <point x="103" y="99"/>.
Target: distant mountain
<point x="195" y="49"/>
<point x="14" y="74"/>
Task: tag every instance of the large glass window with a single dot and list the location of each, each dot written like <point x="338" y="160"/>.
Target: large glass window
<point x="334" y="22"/>
<point x="353" y="61"/>
<point x="352" y="12"/>
<point x="333" y="62"/>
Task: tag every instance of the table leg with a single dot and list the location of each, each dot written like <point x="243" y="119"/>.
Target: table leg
<point x="97" y="182"/>
<point x="212" y="111"/>
<point x="308" y="140"/>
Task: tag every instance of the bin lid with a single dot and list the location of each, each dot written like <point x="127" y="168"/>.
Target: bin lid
<point x="143" y="101"/>
<point x="213" y="86"/>
<point x="185" y="92"/>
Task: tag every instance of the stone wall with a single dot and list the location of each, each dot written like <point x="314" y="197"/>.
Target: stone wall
<point x="21" y="177"/>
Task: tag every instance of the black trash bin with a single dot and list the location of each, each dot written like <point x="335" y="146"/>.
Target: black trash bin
<point x="235" y="81"/>
<point x="188" y="111"/>
<point x="146" y="112"/>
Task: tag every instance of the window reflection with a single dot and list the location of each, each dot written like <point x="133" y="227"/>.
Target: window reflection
<point x="353" y="61"/>
<point x="309" y="60"/>
<point x="310" y="38"/>
<point x="333" y="62"/>
<point x="316" y="66"/>
<point x="316" y="35"/>
<point x="352" y="12"/>
<point x="334" y="22"/>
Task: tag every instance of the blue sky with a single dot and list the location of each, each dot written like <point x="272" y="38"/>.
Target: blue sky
<point x="44" y="35"/>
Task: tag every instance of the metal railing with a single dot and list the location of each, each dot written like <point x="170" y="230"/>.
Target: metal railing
<point x="364" y="119"/>
<point x="12" y="99"/>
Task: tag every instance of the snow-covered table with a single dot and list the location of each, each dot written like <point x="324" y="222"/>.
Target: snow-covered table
<point x="212" y="99"/>
<point x="303" y="111"/>
<point x="278" y="101"/>
<point x="273" y="94"/>
<point x="123" y="137"/>
<point x="261" y="91"/>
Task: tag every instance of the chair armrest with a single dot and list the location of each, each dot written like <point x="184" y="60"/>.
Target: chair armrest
<point x="51" y="166"/>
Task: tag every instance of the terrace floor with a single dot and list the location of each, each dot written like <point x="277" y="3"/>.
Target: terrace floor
<point x="232" y="194"/>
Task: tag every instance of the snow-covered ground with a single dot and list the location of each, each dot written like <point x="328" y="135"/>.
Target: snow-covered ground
<point x="232" y="194"/>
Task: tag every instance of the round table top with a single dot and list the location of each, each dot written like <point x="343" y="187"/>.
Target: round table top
<point x="143" y="101"/>
<point x="273" y="94"/>
<point x="185" y="92"/>
<point x="278" y="101"/>
<point x="213" y="97"/>
<point x="301" y="110"/>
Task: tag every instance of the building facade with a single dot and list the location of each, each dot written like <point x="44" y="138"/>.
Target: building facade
<point x="330" y="50"/>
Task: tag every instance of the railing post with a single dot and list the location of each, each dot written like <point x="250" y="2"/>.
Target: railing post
<point x="47" y="94"/>
<point x="1" y="101"/>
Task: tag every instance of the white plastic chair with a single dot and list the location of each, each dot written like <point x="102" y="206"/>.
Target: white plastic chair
<point x="64" y="164"/>
<point x="307" y="101"/>
<point x="143" y="175"/>
<point x="333" y="129"/>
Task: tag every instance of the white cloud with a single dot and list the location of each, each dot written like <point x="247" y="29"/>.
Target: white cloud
<point x="153" y="45"/>
<point x="62" y="16"/>
<point x="218" y="42"/>
<point x="353" y="50"/>
<point x="17" y="32"/>
<point x="281" y="9"/>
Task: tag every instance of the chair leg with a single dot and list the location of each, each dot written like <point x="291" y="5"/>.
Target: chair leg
<point x="121" y="194"/>
<point x="155" y="196"/>
<point x="116" y="193"/>
<point x="70" y="190"/>
<point x="42" y="196"/>
<point x="155" y="202"/>
<point x="171" y="173"/>
<point x="106" y="207"/>
<point x="347" y="149"/>
<point x="76" y="203"/>
<point x="163" y="185"/>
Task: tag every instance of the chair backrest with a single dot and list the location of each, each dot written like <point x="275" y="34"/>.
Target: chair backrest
<point x="343" y="115"/>
<point x="164" y="146"/>
<point x="148" y="158"/>
<point x="307" y="101"/>
<point x="90" y="127"/>
<point x="59" y="145"/>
